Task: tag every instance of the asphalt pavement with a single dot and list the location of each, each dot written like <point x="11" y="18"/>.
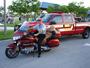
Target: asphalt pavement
<point x="74" y="52"/>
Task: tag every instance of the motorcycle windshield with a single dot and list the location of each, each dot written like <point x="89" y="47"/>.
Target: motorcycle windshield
<point x="24" y="27"/>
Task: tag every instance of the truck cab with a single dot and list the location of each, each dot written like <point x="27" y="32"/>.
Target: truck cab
<point x="63" y="21"/>
<point x="67" y="24"/>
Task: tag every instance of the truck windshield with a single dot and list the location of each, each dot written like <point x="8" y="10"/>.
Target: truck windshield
<point x="45" y="17"/>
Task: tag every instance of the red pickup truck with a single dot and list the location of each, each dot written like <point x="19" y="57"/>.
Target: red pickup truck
<point x="66" y="24"/>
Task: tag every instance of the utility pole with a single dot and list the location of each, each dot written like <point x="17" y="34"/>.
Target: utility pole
<point x="4" y="17"/>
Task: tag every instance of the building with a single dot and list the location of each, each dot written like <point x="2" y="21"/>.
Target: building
<point x="45" y="5"/>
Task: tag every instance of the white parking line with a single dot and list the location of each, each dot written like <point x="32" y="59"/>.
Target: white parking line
<point x="87" y="44"/>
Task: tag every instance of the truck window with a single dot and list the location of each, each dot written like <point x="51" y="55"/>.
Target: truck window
<point x="68" y="19"/>
<point x="57" y="19"/>
<point x="45" y="17"/>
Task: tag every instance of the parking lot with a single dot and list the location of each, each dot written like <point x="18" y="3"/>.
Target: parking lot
<point x="74" y="52"/>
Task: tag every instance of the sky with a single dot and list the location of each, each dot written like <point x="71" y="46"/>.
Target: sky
<point x="61" y="2"/>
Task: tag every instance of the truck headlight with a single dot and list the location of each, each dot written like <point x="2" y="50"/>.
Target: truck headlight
<point x="16" y="37"/>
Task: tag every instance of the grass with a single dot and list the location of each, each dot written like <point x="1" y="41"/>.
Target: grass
<point x="9" y="35"/>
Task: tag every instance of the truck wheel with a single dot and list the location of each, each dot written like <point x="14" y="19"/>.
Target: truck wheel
<point x="85" y="34"/>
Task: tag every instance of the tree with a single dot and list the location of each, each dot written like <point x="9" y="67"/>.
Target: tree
<point x="53" y="8"/>
<point x="64" y="9"/>
<point x="82" y="11"/>
<point x="1" y="9"/>
<point x="77" y="9"/>
<point x="50" y="9"/>
<point x="24" y="6"/>
<point x="73" y="7"/>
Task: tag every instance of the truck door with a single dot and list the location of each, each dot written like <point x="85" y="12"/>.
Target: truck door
<point x="64" y="23"/>
<point x="57" y="21"/>
<point x="68" y="25"/>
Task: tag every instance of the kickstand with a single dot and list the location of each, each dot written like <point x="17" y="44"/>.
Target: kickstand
<point x="33" y="53"/>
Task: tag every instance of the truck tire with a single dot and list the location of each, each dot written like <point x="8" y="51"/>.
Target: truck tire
<point x="85" y="34"/>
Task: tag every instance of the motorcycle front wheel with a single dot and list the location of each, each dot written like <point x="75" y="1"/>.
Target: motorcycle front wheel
<point x="11" y="53"/>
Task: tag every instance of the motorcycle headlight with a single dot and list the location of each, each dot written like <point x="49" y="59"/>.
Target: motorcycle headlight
<point x="16" y="37"/>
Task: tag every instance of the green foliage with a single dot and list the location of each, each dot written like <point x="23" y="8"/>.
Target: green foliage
<point x="53" y="8"/>
<point x="24" y="6"/>
<point x="9" y="35"/>
<point x="70" y="8"/>
<point x="73" y="7"/>
<point x="64" y="9"/>
<point x="77" y="9"/>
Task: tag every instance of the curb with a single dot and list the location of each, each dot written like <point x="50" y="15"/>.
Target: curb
<point x="5" y="40"/>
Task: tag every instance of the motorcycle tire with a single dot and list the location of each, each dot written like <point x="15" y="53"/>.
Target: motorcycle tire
<point x="11" y="53"/>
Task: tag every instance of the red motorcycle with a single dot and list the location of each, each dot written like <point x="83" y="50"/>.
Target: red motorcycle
<point x="27" y="44"/>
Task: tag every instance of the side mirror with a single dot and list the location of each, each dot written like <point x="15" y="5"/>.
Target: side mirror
<point x="16" y="27"/>
<point x="52" y="22"/>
